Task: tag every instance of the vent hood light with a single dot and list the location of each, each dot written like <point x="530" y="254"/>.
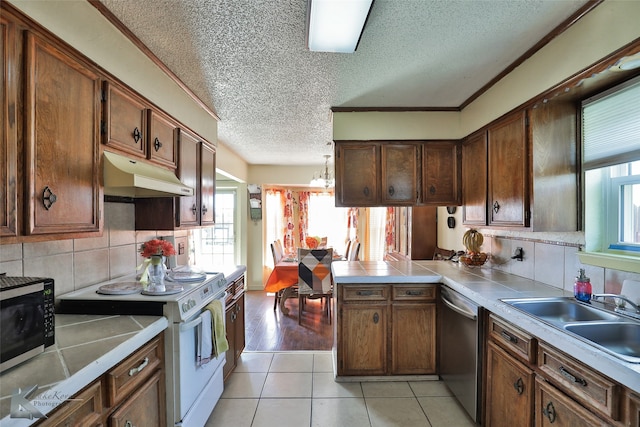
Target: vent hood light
<point x="131" y="178"/>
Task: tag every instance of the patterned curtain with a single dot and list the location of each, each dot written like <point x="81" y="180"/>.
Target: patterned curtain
<point x="303" y="215"/>
<point x="390" y="230"/>
<point x="289" y="241"/>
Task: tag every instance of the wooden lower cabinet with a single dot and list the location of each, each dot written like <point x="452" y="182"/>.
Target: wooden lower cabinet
<point x="556" y="409"/>
<point x="235" y="323"/>
<point x="509" y="390"/>
<point x="632" y="409"/>
<point x="130" y="394"/>
<point x="386" y="330"/>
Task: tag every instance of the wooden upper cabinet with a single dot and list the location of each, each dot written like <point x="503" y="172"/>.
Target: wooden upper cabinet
<point x="399" y="173"/>
<point x="188" y="172"/>
<point x="357" y="174"/>
<point x="508" y="170"/>
<point x="441" y="173"/>
<point x="474" y="179"/>
<point x="62" y="107"/>
<point x="162" y="139"/>
<point x="8" y="130"/>
<point x="125" y="120"/>
<point x="207" y="183"/>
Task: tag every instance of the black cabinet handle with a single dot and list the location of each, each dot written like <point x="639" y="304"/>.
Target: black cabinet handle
<point x="391" y="190"/>
<point x="364" y="293"/>
<point x="519" y="386"/>
<point x="194" y="209"/>
<point x="137" y="135"/>
<point x="157" y="144"/>
<point x="432" y="190"/>
<point x="376" y="318"/>
<point x="509" y="337"/>
<point x="366" y="191"/>
<point x="550" y="412"/>
<point x="413" y="293"/>
<point x="572" y="377"/>
<point x="48" y="198"/>
<point x="204" y="209"/>
<point x="496" y="206"/>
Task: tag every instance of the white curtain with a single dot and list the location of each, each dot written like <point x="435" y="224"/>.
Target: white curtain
<point x="377" y="221"/>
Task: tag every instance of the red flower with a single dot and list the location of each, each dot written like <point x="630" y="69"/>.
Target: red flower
<point x="157" y="247"/>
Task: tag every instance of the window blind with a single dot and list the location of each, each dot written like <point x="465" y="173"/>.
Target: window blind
<point x="611" y="126"/>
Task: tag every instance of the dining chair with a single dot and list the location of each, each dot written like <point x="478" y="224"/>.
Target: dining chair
<point x="355" y="250"/>
<point x="276" y="259"/>
<point x="314" y="278"/>
<point x="346" y="251"/>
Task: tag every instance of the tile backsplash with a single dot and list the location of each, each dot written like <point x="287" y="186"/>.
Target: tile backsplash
<point x="77" y="263"/>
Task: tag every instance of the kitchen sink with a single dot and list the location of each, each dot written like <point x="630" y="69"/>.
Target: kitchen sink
<point x="616" y="334"/>
<point x="619" y="338"/>
<point x="560" y="310"/>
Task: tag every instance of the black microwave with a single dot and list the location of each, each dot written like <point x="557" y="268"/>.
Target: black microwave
<point x="27" y="324"/>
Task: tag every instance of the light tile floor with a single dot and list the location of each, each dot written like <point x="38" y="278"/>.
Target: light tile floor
<point x="298" y="390"/>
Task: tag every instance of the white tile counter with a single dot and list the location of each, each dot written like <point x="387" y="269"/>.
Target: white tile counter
<point x="486" y="287"/>
<point x="86" y="347"/>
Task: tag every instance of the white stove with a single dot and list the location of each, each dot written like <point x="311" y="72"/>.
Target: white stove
<point x="192" y="389"/>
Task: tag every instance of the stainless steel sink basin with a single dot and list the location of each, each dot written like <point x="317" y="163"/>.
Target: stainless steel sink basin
<point x="622" y="339"/>
<point x="560" y="311"/>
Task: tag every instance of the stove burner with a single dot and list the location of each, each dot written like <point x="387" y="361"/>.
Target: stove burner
<point x="121" y="288"/>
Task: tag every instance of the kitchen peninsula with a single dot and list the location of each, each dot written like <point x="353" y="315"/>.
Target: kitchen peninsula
<point x="383" y="282"/>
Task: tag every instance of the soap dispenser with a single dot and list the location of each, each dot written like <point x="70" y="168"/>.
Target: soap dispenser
<point x="582" y="287"/>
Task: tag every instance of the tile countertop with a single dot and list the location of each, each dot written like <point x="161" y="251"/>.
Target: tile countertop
<point x="486" y="287"/>
<point x="86" y="347"/>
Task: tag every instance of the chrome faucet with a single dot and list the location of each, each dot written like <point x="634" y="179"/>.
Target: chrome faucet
<point x="619" y="300"/>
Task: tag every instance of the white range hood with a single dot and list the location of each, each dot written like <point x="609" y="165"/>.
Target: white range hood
<point x="126" y="177"/>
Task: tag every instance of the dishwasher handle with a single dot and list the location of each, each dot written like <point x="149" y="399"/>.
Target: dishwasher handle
<point x="461" y="311"/>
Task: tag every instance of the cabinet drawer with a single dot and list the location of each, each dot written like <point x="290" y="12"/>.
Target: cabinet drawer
<point x="85" y="409"/>
<point x="556" y="409"/>
<point x="145" y="408"/>
<point x="133" y="371"/>
<point x="518" y="342"/>
<point x="413" y="293"/>
<point x="365" y="293"/>
<point x="584" y="385"/>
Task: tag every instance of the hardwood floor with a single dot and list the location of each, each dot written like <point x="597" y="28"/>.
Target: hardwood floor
<point x="269" y="330"/>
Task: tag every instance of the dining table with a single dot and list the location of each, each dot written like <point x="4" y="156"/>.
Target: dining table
<point x="283" y="277"/>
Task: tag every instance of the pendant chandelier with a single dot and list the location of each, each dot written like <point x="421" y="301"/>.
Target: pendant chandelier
<point x="323" y="178"/>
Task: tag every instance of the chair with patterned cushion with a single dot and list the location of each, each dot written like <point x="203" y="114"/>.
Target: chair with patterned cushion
<point x="314" y="278"/>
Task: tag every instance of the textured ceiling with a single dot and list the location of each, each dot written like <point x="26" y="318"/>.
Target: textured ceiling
<point x="247" y="60"/>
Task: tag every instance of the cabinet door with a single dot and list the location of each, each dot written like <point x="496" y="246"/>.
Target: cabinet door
<point x="399" y="174"/>
<point x="474" y="180"/>
<point x="145" y="407"/>
<point x="189" y="175"/>
<point x="632" y="409"/>
<point x="239" y="338"/>
<point x="124" y="120"/>
<point x="413" y="339"/>
<point x="62" y="131"/>
<point x="207" y="183"/>
<point x="230" y="361"/>
<point x="363" y="339"/>
<point x="509" y="172"/>
<point x="357" y="174"/>
<point x="8" y="130"/>
<point x="441" y="173"/>
<point x="555" y="409"/>
<point x="509" y="390"/>
<point x="162" y="139"/>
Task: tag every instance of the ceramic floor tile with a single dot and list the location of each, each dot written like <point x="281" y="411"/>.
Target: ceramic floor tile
<point x="287" y="384"/>
<point x="233" y="412"/>
<point x="445" y="412"/>
<point x="292" y="362"/>
<point x="254" y="362"/>
<point x="339" y="412"/>
<point x="244" y="385"/>
<point x="397" y="412"/>
<point x="324" y="385"/>
<point x="283" y="413"/>
<point x="387" y="389"/>
<point x="429" y="388"/>
<point x="323" y="362"/>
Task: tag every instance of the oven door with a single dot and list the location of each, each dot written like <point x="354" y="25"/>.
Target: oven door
<point x="193" y="381"/>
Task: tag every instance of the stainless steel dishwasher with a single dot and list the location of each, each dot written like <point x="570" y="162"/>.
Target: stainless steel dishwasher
<point x="461" y="349"/>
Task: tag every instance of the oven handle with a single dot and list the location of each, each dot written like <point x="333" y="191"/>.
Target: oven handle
<point x="190" y="325"/>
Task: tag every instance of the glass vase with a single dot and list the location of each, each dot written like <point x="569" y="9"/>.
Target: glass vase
<point x="157" y="271"/>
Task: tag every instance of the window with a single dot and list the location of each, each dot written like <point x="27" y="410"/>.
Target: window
<point x="325" y="219"/>
<point x="611" y="160"/>
<point x="218" y="242"/>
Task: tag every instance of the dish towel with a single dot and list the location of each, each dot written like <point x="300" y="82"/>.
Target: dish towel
<point x="204" y="346"/>
<point x="220" y="343"/>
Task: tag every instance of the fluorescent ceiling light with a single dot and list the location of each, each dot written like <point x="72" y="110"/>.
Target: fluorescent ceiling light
<point x="336" y="25"/>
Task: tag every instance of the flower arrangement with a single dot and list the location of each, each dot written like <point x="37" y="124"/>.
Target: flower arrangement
<point x="312" y="242"/>
<point x="157" y="247"/>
